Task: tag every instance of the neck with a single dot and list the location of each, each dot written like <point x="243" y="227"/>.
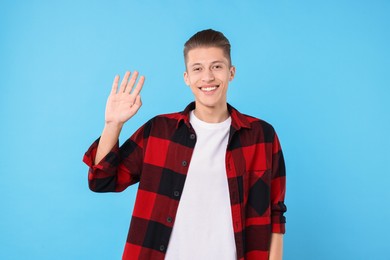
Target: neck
<point x="211" y="115"/>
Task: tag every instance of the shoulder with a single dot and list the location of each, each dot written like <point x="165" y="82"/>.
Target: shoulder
<point x="257" y="124"/>
<point x="166" y="119"/>
<point x="250" y="123"/>
<point x="259" y="129"/>
<point x="163" y="124"/>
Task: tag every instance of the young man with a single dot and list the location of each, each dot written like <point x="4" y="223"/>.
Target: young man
<point x="211" y="180"/>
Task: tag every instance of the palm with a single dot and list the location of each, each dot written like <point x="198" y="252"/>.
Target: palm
<point x="124" y="103"/>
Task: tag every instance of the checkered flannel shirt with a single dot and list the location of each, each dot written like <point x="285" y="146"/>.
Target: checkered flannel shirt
<point x="158" y="155"/>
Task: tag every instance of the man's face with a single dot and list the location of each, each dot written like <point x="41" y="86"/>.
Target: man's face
<point x="208" y="74"/>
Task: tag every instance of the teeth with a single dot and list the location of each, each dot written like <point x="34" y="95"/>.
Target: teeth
<point x="209" y="89"/>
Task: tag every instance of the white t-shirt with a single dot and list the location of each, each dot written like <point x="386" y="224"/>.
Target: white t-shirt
<point x="203" y="227"/>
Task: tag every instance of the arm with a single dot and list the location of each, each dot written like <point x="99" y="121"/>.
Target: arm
<point x="121" y="106"/>
<point x="276" y="250"/>
<point x="111" y="169"/>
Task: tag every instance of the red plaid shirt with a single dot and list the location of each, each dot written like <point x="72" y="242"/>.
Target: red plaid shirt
<point x="158" y="155"/>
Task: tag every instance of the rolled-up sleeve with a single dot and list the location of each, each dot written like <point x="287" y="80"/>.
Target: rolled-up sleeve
<point x="278" y="189"/>
<point x="107" y="164"/>
<point x="120" y="168"/>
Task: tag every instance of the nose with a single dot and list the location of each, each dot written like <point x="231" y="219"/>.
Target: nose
<point x="208" y="76"/>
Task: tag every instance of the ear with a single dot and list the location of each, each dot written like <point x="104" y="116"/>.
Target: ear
<point x="186" y="80"/>
<point x="232" y="72"/>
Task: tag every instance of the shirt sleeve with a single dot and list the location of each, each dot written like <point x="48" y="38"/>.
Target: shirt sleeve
<point x="278" y="188"/>
<point x="120" y="168"/>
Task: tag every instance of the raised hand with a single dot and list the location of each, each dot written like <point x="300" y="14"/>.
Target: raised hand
<point x="124" y="103"/>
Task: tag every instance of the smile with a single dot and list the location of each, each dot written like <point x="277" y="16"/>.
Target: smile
<point x="208" y="88"/>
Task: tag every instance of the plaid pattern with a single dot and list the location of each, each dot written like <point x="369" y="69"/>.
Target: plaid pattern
<point x="157" y="156"/>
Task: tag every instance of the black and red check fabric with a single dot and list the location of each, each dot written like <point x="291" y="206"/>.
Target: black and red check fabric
<point x="157" y="156"/>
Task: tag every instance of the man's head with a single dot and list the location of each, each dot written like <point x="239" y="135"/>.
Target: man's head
<point x="208" y="70"/>
<point x="208" y="38"/>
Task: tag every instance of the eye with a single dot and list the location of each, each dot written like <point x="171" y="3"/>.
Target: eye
<point x="196" y="69"/>
<point x="217" y="66"/>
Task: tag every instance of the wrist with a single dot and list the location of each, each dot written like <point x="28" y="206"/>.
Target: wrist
<point x="113" y="126"/>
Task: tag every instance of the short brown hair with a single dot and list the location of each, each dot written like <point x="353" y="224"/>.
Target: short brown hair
<point x="208" y="38"/>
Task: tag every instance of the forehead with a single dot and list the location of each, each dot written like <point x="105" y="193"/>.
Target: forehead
<point x="204" y="55"/>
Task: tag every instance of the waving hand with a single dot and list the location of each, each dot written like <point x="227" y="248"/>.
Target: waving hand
<point x="123" y="103"/>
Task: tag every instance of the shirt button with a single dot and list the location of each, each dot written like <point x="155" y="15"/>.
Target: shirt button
<point x="169" y="219"/>
<point x="192" y="136"/>
<point x="176" y="193"/>
<point x="184" y="163"/>
<point x="162" y="248"/>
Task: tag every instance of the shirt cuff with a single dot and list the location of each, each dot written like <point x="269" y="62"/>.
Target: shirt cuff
<point x="279" y="228"/>
<point x="278" y="219"/>
<point x="108" y="164"/>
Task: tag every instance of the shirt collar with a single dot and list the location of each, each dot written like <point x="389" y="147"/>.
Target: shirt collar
<point x="238" y="120"/>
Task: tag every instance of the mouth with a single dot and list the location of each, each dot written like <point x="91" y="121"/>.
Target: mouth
<point x="208" y="88"/>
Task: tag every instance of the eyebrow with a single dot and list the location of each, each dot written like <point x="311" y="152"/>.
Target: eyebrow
<point x="213" y="62"/>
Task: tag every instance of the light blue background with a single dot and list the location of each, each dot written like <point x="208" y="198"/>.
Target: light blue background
<point x="317" y="70"/>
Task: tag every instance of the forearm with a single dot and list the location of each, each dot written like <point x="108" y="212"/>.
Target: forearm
<point x="276" y="249"/>
<point x="107" y="140"/>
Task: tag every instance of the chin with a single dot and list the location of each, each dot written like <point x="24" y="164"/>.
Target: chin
<point x="209" y="104"/>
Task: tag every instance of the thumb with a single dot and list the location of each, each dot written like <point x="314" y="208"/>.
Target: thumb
<point x="138" y="101"/>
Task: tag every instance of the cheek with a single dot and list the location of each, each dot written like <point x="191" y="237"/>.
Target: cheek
<point x="225" y="78"/>
<point x="193" y="80"/>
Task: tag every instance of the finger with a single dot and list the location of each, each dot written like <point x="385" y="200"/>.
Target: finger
<point x="131" y="82"/>
<point x="139" y="85"/>
<point x="115" y="85"/>
<point x="124" y="82"/>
